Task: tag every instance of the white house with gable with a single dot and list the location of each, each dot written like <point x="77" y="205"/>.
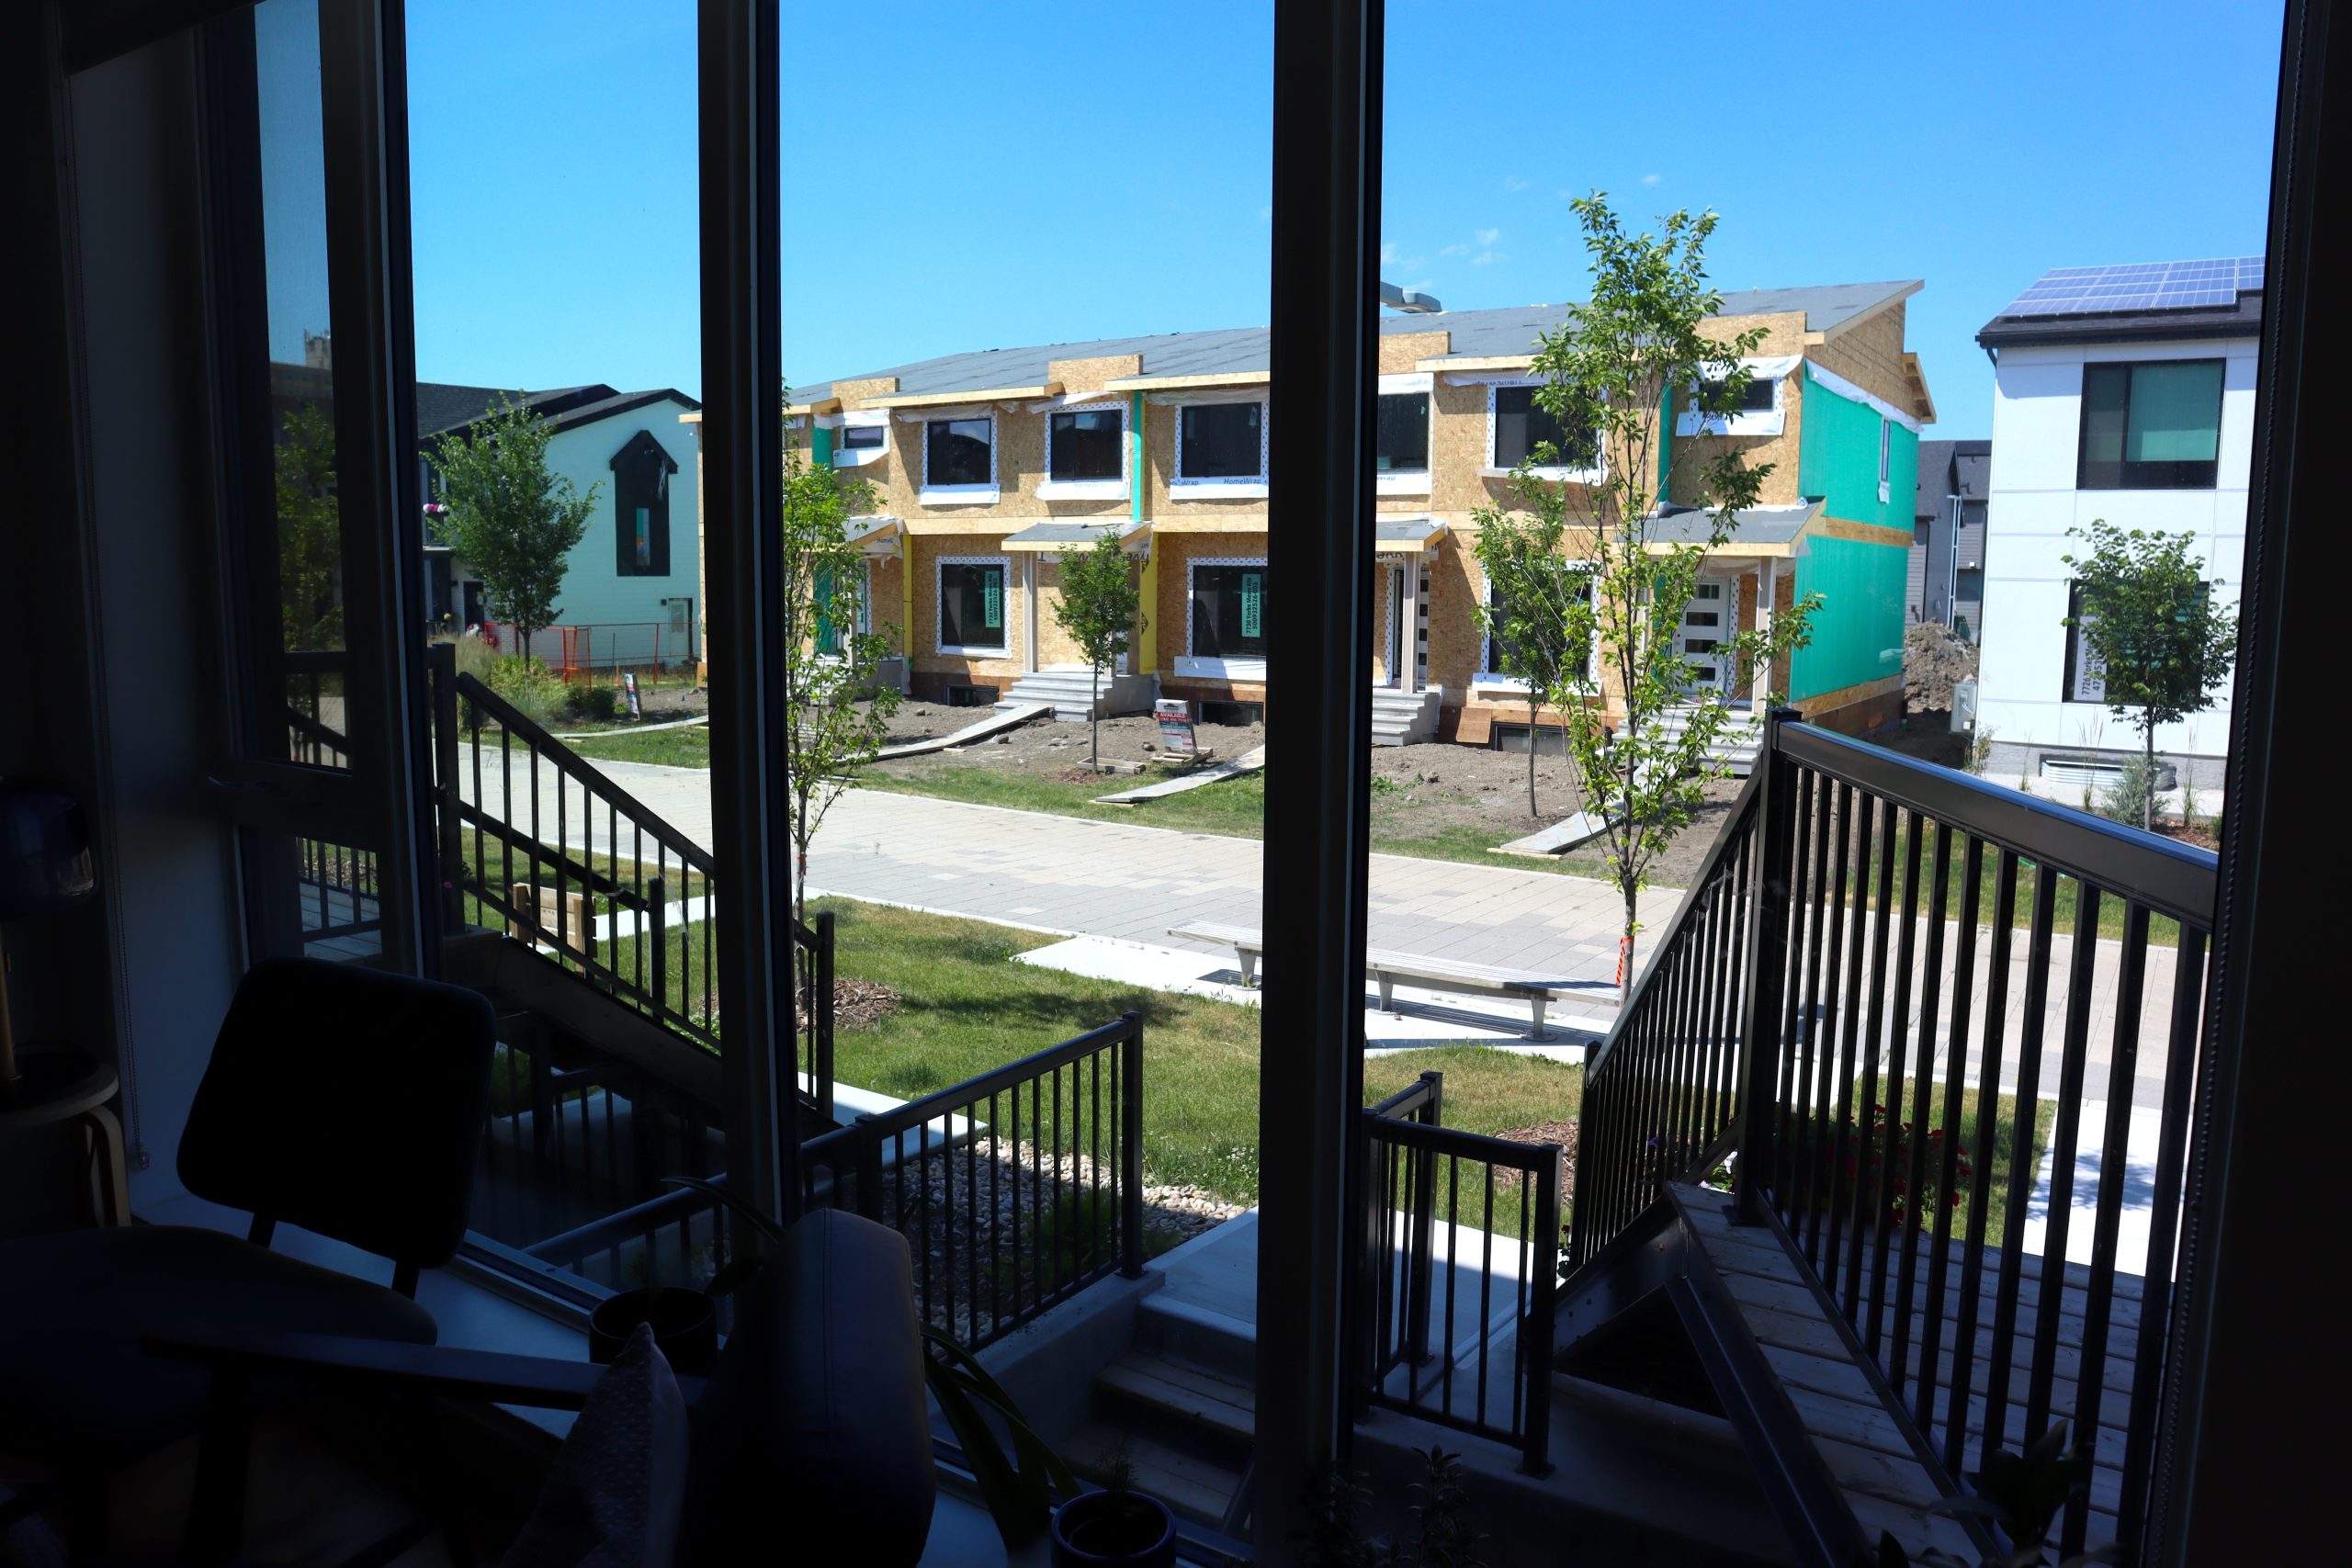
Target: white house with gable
<point x="2124" y="393"/>
<point x="631" y="589"/>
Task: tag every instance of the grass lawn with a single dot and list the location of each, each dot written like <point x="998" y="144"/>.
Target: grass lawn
<point x="969" y="1010"/>
<point x="688" y="747"/>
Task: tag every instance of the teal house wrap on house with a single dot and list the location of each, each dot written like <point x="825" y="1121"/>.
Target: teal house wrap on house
<point x="1862" y="462"/>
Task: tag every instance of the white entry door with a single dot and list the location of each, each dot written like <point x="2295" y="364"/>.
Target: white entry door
<point x="1705" y="627"/>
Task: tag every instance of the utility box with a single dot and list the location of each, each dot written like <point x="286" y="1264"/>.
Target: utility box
<point x="1963" y="706"/>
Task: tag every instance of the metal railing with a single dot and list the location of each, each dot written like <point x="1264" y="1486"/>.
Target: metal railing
<point x="337" y="881"/>
<point x="1455" y="1272"/>
<point x="1929" y="959"/>
<point x="1015" y="1190"/>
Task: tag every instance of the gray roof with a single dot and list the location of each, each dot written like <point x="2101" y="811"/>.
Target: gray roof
<point x="1952" y="468"/>
<point x="2062" y="306"/>
<point x="1406" y="530"/>
<point x="1071" y="532"/>
<point x="443" y="406"/>
<point x="1753" y="525"/>
<point x="1238" y="350"/>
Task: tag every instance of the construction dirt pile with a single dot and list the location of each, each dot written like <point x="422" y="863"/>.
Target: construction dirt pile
<point x="1932" y="659"/>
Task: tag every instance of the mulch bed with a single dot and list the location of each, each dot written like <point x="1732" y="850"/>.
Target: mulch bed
<point x="1561" y="1133"/>
<point x="858" y="1003"/>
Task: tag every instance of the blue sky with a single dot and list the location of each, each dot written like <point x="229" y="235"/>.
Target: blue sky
<point x="962" y="179"/>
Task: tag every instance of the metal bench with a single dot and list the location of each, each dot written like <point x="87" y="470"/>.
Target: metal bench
<point x="1386" y="968"/>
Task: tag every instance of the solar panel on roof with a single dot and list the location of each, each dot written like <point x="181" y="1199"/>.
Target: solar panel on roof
<point x="2142" y="286"/>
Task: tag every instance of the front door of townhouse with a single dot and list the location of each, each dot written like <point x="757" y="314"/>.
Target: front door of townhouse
<point x="1393" y="662"/>
<point x="1700" y="636"/>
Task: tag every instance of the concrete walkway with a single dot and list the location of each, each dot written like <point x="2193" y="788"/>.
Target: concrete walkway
<point x="1074" y="876"/>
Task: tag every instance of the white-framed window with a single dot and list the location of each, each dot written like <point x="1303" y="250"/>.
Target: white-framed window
<point x="1220" y="450"/>
<point x="959" y="460"/>
<point x="1491" y="675"/>
<point x="862" y="437"/>
<point x="975" y="605"/>
<point x="1885" y="458"/>
<point x="1086" y="453"/>
<point x="1225" y="618"/>
<point x="1402" y="434"/>
<point x="1517" y="425"/>
<point x="1762" y="409"/>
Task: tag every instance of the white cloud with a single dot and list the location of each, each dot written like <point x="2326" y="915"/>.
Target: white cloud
<point x="1652" y="179"/>
<point x="1488" y="236"/>
<point x="1454" y="251"/>
<point x="1387" y="252"/>
<point x="1513" y="184"/>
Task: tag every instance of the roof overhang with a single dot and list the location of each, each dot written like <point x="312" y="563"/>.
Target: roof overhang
<point x="874" y="536"/>
<point x="1893" y="298"/>
<point x="1466" y="362"/>
<point x="815" y="405"/>
<point x="974" y="395"/>
<point x="1406" y="536"/>
<point x="1053" y="535"/>
<point x="1766" y="532"/>
<point x="1183" y="383"/>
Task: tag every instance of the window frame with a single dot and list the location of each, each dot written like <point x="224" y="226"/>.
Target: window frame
<point x="964" y="493"/>
<point x="1491" y="679"/>
<point x="1216" y="668"/>
<point x="939" y="608"/>
<point x="1557" y="472"/>
<point x="1052" y="489"/>
<point x="1189" y="487"/>
<point x="2130" y="370"/>
<point x="849" y="456"/>
<point x="1407" y="481"/>
<point x="1885" y="459"/>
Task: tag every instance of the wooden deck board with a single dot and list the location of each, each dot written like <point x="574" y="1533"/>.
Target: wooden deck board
<point x="1866" y="1448"/>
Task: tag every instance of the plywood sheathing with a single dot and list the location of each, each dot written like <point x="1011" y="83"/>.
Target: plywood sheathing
<point x="1399" y="351"/>
<point x="1177" y="552"/>
<point x="1870" y="354"/>
<point x="1080" y="377"/>
<point x="923" y="637"/>
<point x="1857" y="710"/>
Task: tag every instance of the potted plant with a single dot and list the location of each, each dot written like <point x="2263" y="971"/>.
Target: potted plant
<point x="1116" y="1525"/>
<point x="684" y="1327"/>
<point x="1018" y="1476"/>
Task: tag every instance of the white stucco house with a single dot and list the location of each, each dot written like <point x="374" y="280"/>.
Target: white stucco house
<point x="2124" y="393"/>
<point x="632" y="597"/>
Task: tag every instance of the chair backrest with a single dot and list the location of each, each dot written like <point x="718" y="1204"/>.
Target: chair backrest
<point x="349" y="1101"/>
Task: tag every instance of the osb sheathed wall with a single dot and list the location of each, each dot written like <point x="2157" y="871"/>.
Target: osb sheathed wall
<point x="1177" y="552"/>
<point x="933" y="671"/>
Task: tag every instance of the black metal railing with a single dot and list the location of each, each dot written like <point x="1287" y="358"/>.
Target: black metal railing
<point x="1455" y="1269"/>
<point x="678" y="1238"/>
<point x="1660" y="1091"/>
<point x="1951" y="981"/>
<point x="336" y="882"/>
<point x="1015" y="1190"/>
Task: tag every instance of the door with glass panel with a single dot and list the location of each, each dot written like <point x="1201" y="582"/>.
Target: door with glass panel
<point x="1699" y="636"/>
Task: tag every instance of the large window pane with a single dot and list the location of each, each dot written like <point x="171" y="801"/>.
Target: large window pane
<point x="2175" y="413"/>
<point x="1229" y="612"/>
<point x="957" y="452"/>
<point x="1222" y="441"/>
<point x="1404" y="433"/>
<point x="1087" y="445"/>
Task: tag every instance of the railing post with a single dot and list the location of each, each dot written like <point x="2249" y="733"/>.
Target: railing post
<point x="1537" y="1331"/>
<point x="869" y="1169"/>
<point x="1420" y="1234"/>
<point x="657" y="895"/>
<point x="1768" y="944"/>
<point x="441" y="661"/>
<point x="1131" y="1147"/>
<point x="820" y="1049"/>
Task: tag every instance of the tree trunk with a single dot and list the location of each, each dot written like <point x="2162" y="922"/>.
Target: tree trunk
<point x="1531" y="732"/>
<point x="1094" y="719"/>
<point x="2148" y="797"/>
<point x="1626" y="952"/>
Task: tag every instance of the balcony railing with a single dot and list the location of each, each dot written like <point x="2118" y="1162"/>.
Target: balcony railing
<point x="1015" y="1190"/>
<point x="1456" y="1267"/>
<point x="1922" y="960"/>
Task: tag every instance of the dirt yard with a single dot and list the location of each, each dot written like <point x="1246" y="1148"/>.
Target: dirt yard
<point x="1045" y="746"/>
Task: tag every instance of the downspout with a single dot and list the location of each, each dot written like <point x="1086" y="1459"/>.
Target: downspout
<point x="1147" y="659"/>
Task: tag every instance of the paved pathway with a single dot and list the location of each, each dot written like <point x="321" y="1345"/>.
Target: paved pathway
<point x="1078" y="876"/>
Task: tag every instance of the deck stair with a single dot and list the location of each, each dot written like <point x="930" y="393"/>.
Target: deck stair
<point x="1400" y="717"/>
<point x="1186" y="1430"/>
<point x="1076" y="695"/>
<point x="1738" y="746"/>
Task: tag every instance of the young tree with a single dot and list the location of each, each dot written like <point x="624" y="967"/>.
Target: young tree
<point x="2148" y="615"/>
<point x="509" y="517"/>
<point x="1603" y="575"/>
<point x="830" y="665"/>
<point x="1097" y="608"/>
<point x="309" y="531"/>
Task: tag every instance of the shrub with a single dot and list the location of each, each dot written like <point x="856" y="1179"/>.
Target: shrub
<point x="1860" y="1154"/>
<point x="528" y="686"/>
<point x="2127" y="797"/>
<point x="601" y="703"/>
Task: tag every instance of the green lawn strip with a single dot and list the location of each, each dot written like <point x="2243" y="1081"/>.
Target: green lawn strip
<point x="2066" y="899"/>
<point x="1235" y="806"/>
<point x="966" y="1012"/>
<point x="688" y="747"/>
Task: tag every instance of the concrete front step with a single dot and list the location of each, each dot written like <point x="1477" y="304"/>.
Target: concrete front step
<point x="1737" y="746"/>
<point x="1400" y="718"/>
<point x="1076" y="696"/>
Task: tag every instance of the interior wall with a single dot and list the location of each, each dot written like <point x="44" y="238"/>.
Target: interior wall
<point x="165" y="858"/>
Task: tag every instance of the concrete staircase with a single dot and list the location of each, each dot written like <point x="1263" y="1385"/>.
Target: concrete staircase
<point x="1077" y="697"/>
<point x="1739" y="745"/>
<point x="1401" y="717"/>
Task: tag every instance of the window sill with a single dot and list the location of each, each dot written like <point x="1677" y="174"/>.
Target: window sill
<point x="1558" y="476"/>
<point x="1217" y="489"/>
<point x="946" y="651"/>
<point x="1221" y="668"/>
<point x="957" y="495"/>
<point x="1500" y="685"/>
<point x="859" y="457"/>
<point x="1081" y="489"/>
<point x="1415" y="484"/>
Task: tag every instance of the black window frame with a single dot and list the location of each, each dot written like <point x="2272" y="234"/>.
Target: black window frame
<point x="1058" y="443"/>
<point x="1185" y="415"/>
<point x="1534" y="434"/>
<point x="1384" y="427"/>
<point x="844" y="433"/>
<point x="1768" y="387"/>
<point x="1194" y="621"/>
<point x="981" y="565"/>
<point x="2127" y="473"/>
<point x="643" y="477"/>
<point x="932" y="430"/>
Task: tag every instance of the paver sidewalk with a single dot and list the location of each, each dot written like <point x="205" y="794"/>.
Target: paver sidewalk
<point x="1077" y="876"/>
